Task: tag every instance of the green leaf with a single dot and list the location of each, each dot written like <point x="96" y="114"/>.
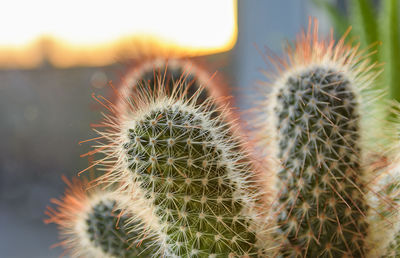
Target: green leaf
<point x="364" y="23"/>
<point x="390" y="53"/>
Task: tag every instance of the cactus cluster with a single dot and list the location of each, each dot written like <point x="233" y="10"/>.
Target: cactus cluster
<point x="181" y="182"/>
<point x="174" y="155"/>
<point x="181" y="160"/>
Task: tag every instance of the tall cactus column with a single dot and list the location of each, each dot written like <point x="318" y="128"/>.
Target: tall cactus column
<point x="317" y="124"/>
<point x="315" y="114"/>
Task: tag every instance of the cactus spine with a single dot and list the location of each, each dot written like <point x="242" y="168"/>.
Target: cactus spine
<point x="175" y="156"/>
<point x="314" y="115"/>
<point x="168" y="72"/>
<point x="91" y="225"/>
<point x="384" y="233"/>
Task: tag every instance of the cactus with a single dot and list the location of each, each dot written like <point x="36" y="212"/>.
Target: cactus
<point x="384" y="233"/>
<point x="168" y="72"/>
<point x="394" y="247"/>
<point x="314" y="116"/>
<point x="393" y="191"/>
<point x="393" y="250"/>
<point x="174" y="155"/>
<point x="91" y="225"/>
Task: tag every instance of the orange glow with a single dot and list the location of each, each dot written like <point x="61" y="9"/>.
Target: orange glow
<point x="93" y="32"/>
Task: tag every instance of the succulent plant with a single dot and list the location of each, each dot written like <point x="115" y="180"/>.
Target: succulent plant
<point x="172" y="155"/>
<point x="182" y="182"/>
<point x="393" y="249"/>
<point x="384" y="198"/>
<point x="168" y="72"/>
<point x="92" y="225"/>
<point x="314" y="115"/>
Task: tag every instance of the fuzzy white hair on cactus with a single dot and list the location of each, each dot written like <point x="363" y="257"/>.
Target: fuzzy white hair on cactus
<point x="91" y="225"/>
<point x="179" y="160"/>
<point x="169" y="71"/>
<point x="384" y="198"/>
<point x="312" y="125"/>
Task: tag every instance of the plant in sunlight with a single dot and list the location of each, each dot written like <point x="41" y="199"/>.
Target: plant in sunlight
<point x="180" y="178"/>
<point x="155" y="70"/>
<point x="384" y="233"/>
<point x="91" y="224"/>
<point x="175" y="156"/>
<point x="318" y="122"/>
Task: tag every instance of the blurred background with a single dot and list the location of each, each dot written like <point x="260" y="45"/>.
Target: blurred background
<point x="45" y="88"/>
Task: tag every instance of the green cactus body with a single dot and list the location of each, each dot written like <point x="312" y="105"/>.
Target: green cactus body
<point x="393" y="250"/>
<point x="107" y="230"/>
<point x="384" y="235"/>
<point x="394" y="247"/>
<point x="169" y="72"/>
<point x="318" y="138"/>
<point x="91" y="224"/>
<point x="172" y="148"/>
<point x="185" y="168"/>
<point x="317" y="134"/>
<point x="174" y="73"/>
<point x="175" y="157"/>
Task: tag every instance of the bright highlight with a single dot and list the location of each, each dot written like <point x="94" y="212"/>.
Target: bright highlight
<point x="93" y="32"/>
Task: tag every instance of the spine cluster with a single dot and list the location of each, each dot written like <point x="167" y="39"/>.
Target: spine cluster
<point x="187" y="183"/>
